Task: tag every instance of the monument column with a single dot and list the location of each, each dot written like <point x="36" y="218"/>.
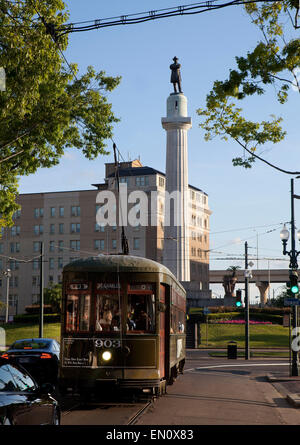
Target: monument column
<point x="176" y="237"/>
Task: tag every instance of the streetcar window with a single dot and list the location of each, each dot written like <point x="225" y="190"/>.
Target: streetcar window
<point x="78" y="312"/>
<point x="107" y="312"/>
<point x="177" y="321"/>
<point x="141" y="315"/>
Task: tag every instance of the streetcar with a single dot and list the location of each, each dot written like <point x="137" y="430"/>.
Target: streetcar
<point x="123" y="325"/>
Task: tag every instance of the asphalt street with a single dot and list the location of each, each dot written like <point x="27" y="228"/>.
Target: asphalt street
<point x="220" y="391"/>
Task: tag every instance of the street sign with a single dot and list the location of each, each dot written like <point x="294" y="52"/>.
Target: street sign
<point x="291" y="302"/>
<point x="206" y="311"/>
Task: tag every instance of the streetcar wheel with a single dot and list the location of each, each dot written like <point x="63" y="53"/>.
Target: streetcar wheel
<point x="181" y="366"/>
<point x="173" y="376"/>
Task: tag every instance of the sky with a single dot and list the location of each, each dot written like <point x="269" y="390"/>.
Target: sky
<point x="247" y="205"/>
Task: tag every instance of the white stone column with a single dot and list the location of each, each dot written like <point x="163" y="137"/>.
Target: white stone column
<point x="176" y="236"/>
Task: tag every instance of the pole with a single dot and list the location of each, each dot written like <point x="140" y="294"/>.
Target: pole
<point x="7" y="295"/>
<point x="246" y="304"/>
<point x="293" y="266"/>
<point x="41" y="325"/>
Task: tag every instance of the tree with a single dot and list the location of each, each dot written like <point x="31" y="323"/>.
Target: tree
<point x="52" y="295"/>
<point x="46" y="106"/>
<point x="275" y="61"/>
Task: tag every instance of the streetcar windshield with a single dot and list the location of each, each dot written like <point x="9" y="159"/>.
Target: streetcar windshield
<point x="78" y="312"/>
<point x="141" y="313"/>
<point x="107" y="312"/>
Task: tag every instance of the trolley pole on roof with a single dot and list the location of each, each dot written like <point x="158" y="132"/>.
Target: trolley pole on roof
<point x="124" y="241"/>
<point x="41" y="321"/>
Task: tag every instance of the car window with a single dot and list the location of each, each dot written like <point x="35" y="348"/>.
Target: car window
<point x="31" y="344"/>
<point x="7" y="382"/>
<point x="22" y="380"/>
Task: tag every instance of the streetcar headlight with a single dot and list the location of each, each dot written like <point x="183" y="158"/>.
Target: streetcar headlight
<point x="106" y="355"/>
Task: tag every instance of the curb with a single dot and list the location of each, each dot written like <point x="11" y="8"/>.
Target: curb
<point x="294" y="399"/>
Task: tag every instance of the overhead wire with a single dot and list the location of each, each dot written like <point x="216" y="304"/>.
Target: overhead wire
<point x="135" y="18"/>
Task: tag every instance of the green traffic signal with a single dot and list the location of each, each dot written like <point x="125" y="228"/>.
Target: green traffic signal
<point x="294" y="288"/>
<point x="238" y="301"/>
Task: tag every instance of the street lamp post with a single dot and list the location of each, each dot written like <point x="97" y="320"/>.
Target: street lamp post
<point x="293" y="266"/>
<point x="7" y="273"/>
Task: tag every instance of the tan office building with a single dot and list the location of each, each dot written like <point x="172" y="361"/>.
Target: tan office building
<point x="66" y="224"/>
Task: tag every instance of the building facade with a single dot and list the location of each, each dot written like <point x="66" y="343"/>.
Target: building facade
<point x="65" y="222"/>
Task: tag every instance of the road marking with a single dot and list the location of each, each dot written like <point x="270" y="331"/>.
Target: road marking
<point x="231" y="366"/>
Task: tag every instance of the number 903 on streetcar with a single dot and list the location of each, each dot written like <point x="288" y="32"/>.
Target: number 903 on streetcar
<point x="123" y="323"/>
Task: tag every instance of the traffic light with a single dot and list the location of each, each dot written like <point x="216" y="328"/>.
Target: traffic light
<point x="238" y="298"/>
<point x="294" y="283"/>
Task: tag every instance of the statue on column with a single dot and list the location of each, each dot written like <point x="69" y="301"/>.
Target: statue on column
<point x="175" y="75"/>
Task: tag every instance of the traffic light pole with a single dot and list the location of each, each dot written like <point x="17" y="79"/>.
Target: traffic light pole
<point x="247" y="354"/>
<point x="293" y="267"/>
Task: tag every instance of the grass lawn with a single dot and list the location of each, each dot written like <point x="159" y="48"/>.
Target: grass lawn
<point x="261" y="336"/>
<point x="16" y="331"/>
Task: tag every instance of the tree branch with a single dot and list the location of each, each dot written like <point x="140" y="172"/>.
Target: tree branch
<point x="258" y="157"/>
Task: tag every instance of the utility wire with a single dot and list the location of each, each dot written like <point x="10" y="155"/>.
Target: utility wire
<point x="129" y="19"/>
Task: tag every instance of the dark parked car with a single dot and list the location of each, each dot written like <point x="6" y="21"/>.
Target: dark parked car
<point x="23" y="401"/>
<point x="39" y="356"/>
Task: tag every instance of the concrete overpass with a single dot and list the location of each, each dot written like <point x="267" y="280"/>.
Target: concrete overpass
<point x="261" y="277"/>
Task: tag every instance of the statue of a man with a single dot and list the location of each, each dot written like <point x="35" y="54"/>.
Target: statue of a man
<point x="175" y="75"/>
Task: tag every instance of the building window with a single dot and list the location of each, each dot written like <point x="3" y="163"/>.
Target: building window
<point x="38" y="229"/>
<point x="75" y="227"/>
<point x="141" y="181"/>
<point x="51" y="246"/>
<point x="36" y="264"/>
<point x="38" y="213"/>
<point x="99" y="244"/>
<point x="161" y="181"/>
<point x="75" y="244"/>
<point x="114" y="244"/>
<point x="35" y="280"/>
<point x="136" y="243"/>
<point x="51" y="279"/>
<point x="13" y="265"/>
<point x="52" y="212"/>
<point x="15" y="230"/>
<point x="36" y="246"/>
<point x="52" y="228"/>
<point x="1" y="248"/>
<point x="99" y="228"/>
<point x="61" y="228"/>
<point x="124" y="180"/>
<point x="75" y="211"/>
<point x="60" y="263"/>
<point x="60" y="246"/>
<point x="51" y="263"/>
<point x="61" y="212"/>
<point x="17" y="214"/>
<point x="14" y="247"/>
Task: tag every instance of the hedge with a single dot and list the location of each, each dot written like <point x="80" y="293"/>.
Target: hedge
<point x="34" y="318"/>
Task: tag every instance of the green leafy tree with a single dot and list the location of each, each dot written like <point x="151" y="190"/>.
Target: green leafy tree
<point x="46" y="106"/>
<point x="275" y="61"/>
<point x="52" y="295"/>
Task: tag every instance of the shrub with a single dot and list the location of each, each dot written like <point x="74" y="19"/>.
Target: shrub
<point x="35" y="309"/>
<point x="34" y="318"/>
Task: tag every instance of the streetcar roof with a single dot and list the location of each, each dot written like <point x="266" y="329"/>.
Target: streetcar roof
<point x="118" y="263"/>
